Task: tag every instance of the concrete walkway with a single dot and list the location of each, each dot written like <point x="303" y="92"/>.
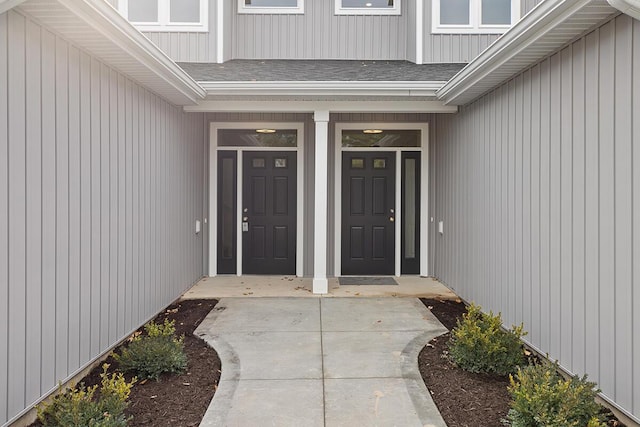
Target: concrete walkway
<point x="320" y="362"/>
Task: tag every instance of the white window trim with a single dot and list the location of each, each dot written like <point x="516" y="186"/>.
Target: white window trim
<point x="282" y="10"/>
<point x="396" y="10"/>
<point x="163" y="24"/>
<point x="475" y="26"/>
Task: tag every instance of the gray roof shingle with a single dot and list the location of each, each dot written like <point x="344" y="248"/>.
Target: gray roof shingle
<point x="239" y="70"/>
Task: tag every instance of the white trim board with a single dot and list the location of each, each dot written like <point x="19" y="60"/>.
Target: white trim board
<point x="337" y="106"/>
<point x="424" y="189"/>
<point x="213" y="188"/>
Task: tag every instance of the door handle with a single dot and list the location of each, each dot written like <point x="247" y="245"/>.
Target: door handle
<point x="392" y="219"/>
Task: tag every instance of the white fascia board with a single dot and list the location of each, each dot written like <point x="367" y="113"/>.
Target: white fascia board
<point x="629" y="7"/>
<point x="329" y="88"/>
<point x="6" y="5"/>
<point x="334" y="106"/>
<point x="535" y="25"/>
<point x="106" y="20"/>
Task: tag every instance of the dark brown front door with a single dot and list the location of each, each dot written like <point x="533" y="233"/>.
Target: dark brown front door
<point x="269" y="212"/>
<point x="368" y="213"/>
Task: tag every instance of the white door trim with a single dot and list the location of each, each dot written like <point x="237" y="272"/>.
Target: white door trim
<point x="424" y="189"/>
<point x="213" y="188"/>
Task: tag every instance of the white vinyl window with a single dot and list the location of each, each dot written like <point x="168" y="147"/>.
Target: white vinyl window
<point x="474" y="16"/>
<point x="271" y="6"/>
<point x="166" y="15"/>
<point x="367" y="7"/>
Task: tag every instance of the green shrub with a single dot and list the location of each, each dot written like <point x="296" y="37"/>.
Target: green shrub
<point x="479" y="344"/>
<point x="541" y="397"/>
<point x="156" y="352"/>
<point x="82" y="407"/>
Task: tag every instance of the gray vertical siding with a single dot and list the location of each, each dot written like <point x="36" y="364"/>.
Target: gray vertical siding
<point x="538" y="185"/>
<point x="409" y="7"/>
<point x="190" y="46"/>
<point x="101" y="182"/>
<point x="319" y="33"/>
<point x="459" y="47"/>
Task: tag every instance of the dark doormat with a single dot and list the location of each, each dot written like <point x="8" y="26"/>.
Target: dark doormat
<point x="352" y="280"/>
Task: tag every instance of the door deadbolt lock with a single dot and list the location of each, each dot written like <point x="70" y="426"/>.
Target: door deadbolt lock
<point x="245" y="218"/>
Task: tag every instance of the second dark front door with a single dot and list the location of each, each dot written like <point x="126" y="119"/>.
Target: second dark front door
<point x="368" y="213"/>
<point x="269" y="212"/>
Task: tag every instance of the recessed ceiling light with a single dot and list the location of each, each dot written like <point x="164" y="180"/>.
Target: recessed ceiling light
<point x="373" y="131"/>
<point x="266" y="130"/>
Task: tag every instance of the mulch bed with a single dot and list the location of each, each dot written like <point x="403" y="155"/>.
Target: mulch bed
<point x="464" y="398"/>
<point x="175" y="400"/>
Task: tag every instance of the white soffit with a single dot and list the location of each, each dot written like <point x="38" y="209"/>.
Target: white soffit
<point x="548" y="27"/>
<point x="96" y="27"/>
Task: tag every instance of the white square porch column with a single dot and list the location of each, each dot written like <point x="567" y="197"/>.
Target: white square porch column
<point x="320" y="282"/>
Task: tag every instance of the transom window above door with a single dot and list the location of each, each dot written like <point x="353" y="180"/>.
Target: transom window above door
<point x="474" y="16"/>
<point x="271" y="6"/>
<point x="367" y="7"/>
<point x="380" y="138"/>
<point x="166" y="15"/>
<point x="258" y="138"/>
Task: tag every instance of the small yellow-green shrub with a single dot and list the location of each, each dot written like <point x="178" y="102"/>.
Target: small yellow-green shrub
<point x="479" y="344"/>
<point x="154" y="353"/>
<point x="82" y="406"/>
<point x="541" y="397"/>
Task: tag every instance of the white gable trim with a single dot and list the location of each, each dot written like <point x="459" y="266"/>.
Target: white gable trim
<point x="9" y="4"/>
<point x="547" y="28"/>
<point x="630" y="7"/>
<point x="118" y="43"/>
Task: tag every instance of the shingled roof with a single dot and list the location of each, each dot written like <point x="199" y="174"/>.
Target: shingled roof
<point x="243" y="70"/>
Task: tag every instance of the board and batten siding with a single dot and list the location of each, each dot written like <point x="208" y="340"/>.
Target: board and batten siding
<point x="186" y="46"/>
<point x="319" y="34"/>
<point x="183" y="46"/>
<point x="443" y="48"/>
<point x="538" y="185"/>
<point x="100" y="186"/>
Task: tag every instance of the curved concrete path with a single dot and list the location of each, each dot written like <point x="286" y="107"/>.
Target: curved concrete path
<point x="320" y="362"/>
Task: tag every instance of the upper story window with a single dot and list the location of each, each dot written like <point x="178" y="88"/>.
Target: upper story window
<point x="271" y="6"/>
<point x="367" y="7"/>
<point x="166" y="15"/>
<point x="474" y="16"/>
